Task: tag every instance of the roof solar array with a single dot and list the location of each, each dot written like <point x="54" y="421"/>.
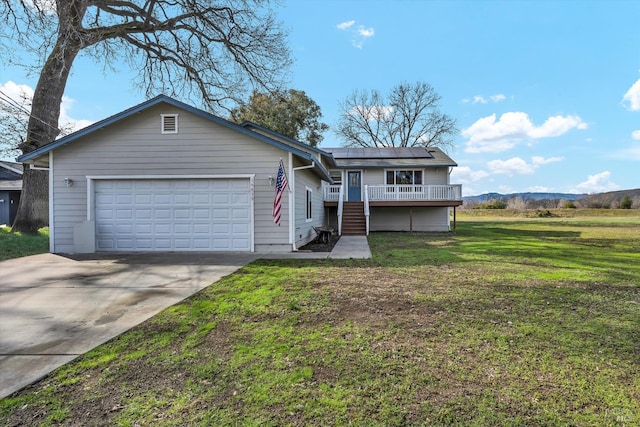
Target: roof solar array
<point x="381" y="153"/>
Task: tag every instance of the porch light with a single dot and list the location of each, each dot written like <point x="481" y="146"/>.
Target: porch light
<point x="68" y="182"/>
<point x="270" y="179"/>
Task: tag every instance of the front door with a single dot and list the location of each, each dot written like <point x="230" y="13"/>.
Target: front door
<point x="354" y="190"/>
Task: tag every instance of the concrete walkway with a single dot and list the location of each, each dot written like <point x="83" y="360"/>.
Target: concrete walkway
<point x="347" y="247"/>
<point x="351" y="247"/>
<point x="55" y="308"/>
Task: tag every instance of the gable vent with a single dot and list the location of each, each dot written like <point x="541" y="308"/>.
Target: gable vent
<point x="169" y="123"/>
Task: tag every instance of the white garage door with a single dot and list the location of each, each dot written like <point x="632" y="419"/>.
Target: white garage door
<point x="173" y="215"/>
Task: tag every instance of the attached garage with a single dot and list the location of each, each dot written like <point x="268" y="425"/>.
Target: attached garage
<point x="164" y="176"/>
<point x="173" y="214"/>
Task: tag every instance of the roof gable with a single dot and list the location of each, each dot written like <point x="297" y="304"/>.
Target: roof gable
<point x="293" y="146"/>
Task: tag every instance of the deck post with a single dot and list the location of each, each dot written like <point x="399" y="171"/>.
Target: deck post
<point x="454" y="220"/>
<point x="411" y="219"/>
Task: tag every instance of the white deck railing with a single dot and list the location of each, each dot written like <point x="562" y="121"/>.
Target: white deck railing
<point x="414" y="192"/>
<point x="331" y="193"/>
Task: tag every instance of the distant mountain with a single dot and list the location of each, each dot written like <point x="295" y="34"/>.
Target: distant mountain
<point x="610" y="199"/>
<point x="525" y="196"/>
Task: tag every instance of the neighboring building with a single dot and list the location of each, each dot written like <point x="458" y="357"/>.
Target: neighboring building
<point x="165" y="176"/>
<point x="10" y="189"/>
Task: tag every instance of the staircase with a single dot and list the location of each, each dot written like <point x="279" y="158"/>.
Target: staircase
<point x="353" y="220"/>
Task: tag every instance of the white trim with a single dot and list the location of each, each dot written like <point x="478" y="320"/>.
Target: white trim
<point x="308" y="199"/>
<point x="39" y="168"/>
<point x="162" y="123"/>
<point x="52" y="242"/>
<point x="408" y="169"/>
<point x="361" y="184"/>
<point x="229" y="176"/>
<point x="252" y="220"/>
<point x="292" y="210"/>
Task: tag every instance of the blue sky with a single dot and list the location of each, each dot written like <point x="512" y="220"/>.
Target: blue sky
<point x="546" y="93"/>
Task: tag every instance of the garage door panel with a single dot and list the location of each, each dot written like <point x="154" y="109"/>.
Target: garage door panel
<point x="173" y="215"/>
<point x="201" y="214"/>
<point x="221" y="213"/>
<point x="143" y="229"/>
<point x="162" y="228"/>
<point x="162" y="213"/>
<point x="142" y="213"/>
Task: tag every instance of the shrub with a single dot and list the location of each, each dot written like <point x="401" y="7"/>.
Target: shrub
<point x="544" y="214"/>
<point x="493" y="204"/>
<point x="626" y="202"/>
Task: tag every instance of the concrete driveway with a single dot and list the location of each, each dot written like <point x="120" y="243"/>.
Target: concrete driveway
<point x="55" y="308"/>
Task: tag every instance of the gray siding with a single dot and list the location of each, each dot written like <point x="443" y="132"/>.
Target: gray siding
<point x="135" y="146"/>
<point x="398" y="219"/>
<point x="304" y="232"/>
<point x="435" y="176"/>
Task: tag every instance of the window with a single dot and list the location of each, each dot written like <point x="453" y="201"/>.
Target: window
<point x="169" y="123"/>
<point x="403" y="177"/>
<point x="336" y="175"/>
<point x="309" y="204"/>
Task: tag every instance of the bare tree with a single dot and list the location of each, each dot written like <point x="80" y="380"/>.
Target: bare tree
<point x="204" y="50"/>
<point x="408" y="117"/>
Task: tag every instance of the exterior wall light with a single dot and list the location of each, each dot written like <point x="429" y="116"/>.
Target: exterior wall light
<point x="68" y="182"/>
<point x="270" y="179"/>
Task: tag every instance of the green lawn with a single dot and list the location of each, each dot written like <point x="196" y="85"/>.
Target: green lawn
<point x="16" y="245"/>
<point x="512" y="321"/>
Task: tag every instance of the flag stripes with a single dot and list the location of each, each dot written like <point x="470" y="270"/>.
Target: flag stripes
<point x="281" y="184"/>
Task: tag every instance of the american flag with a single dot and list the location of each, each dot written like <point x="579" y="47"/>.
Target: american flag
<point x="281" y="184"/>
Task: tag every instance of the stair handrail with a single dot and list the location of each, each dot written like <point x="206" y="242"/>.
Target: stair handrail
<point x="340" y="206"/>
<point x="366" y="207"/>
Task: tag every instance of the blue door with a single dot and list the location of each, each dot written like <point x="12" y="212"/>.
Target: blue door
<point x="354" y="187"/>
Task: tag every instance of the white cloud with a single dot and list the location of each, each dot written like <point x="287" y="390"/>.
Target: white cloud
<point x="365" y="32"/>
<point x="479" y="99"/>
<point x="23" y="95"/>
<point x="632" y="153"/>
<point x="518" y="166"/>
<point x="46" y="6"/>
<point x="632" y="97"/>
<point x="466" y="175"/>
<point x="635" y="135"/>
<point x="539" y="189"/>
<point x="556" y="126"/>
<point x="538" y="161"/>
<point x="346" y="24"/>
<point x="359" y="34"/>
<point x="488" y="135"/>
<point x="371" y="113"/>
<point x="598" y="183"/>
<point x="70" y="124"/>
<point x="514" y="166"/>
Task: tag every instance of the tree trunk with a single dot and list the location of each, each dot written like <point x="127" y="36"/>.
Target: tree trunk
<point x="33" y="209"/>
